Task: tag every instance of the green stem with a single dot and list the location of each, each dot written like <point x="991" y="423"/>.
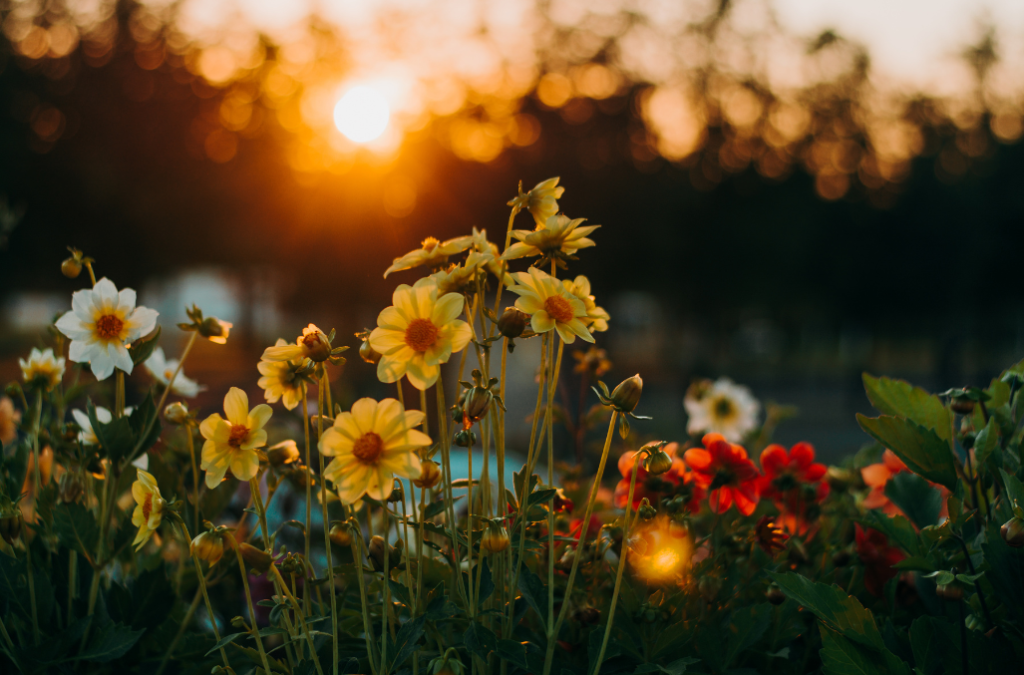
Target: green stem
<point x="195" y="474"/>
<point x="32" y="592"/>
<point x="325" y="396"/>
<point x="118" y="394"/>
<point x="442" y="416"/>
<point x="552" y="386"/>
<point x="163" y="399"/>
<point x="252" y="610"/>
<point x="37" y="489"/>
<point x="357" y="556"/>
<point x="10" y="644"/>
<point x="385" y="578"/>
<point x="257" y="501"/>
<point x="566" y="600"/>
<point x="309" y="487"/>
<point x="302" y="618"/>
<point x="72" y="581"/>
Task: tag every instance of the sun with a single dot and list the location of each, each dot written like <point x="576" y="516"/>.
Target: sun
<point x="362" y="114"/>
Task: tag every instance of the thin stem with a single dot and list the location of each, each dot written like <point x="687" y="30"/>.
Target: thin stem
<point x="195" y="474"/>
<point x="92" y="275"/>
<point x="499" y="442"/>
<point x="325" y="393"/>
<point x="257" y="499"/>
<point x="385" y="578"/>
<point x="10" y="644"/>
<point x="163" y="398"/>
<point x="357" y="556"/>
<point x="119" y="394"/>
<point x="37" y="489"/>
<point x="566" y="600"/>
<point x="504" y="263"/>
<point x="72" y="581"/>
<point x="252" y="610"/>
<point x="552" y="386"/>
<point x="981" y="594"/>
<point x="309" y="486"/>
<point x="298" y="613"/>
<point x="32" y="591"/>
<point x="469" y="527"/>
<point x="622" y="565"/>
<point x="442" y="415"/>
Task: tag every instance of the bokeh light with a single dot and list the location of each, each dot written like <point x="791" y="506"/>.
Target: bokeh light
<point x="660" y="551"/>
<point x="362" y="114"/>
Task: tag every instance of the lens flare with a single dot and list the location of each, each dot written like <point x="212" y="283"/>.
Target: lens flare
<point x="660" y="551"/>
<point x="362" y="114"/>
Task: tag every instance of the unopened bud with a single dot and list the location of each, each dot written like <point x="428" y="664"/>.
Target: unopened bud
<point x="658" y="462"/>
<point x="397" y="494"/>
<point x="212" y="327"/>
<point x="588" y="616"/>
<point x="285" y="452"/>
<point x="341" y="534"/>
<point x="1013" y="532"/>
<point x="646" y="511"/>
<point x="13" y="390"/>
<point x="953" y="592"/>
<point x="465" y="438"/>
<point x="375" y="552"/>
<point x="512" y="322"/>
<point x="176" y="413"/>
<point x="255" y="558"/>
<point x="964" y="406"/>
<point x="495" y="538"/>
<point x="239" y="622"/>
<point x="627" y="394"/>
<point x="775" y="595"/>
<point x="368" y="353"/>
<point x="10" y="523"/>
<point x="430" y="475"/>
<point x="208" y="546"/>
<point x="316" y="346"/>
<point x="475" y="403"/>
<point x="71" y="487"/>
<point x="71" y="268"/>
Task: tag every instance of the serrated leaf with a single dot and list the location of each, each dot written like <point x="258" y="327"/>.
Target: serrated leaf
<point x="480" y="640"/>
<point x="833" y="607"/>
<point x="76" y="528"/>
<point x="110" y="642"/>
<point x="986" y="442"/>
<point x="115" y="437"/>
<point x="407" y="639"/>
<point x="902" y="399"/>
<point x="842" y="656"/>
<point x="924" y="452"/>
<point x="145" y="416"/>
<point x="513" y="652"/>
<point x="534" y="592"/>
<point x="1014" y="489"/>
<point x="915" y="497"/>
<point x="897" y="528"/>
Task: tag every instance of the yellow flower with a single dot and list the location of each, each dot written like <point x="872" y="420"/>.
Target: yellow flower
<point x="558" y="237"/>
<point x="541" y="201"/>
<point x="371" y="445"/>
<point x="149" y="510"/>
<point x="279" y="380"/>
<point x="597" y="317"/>
<point x="432" y="253"/>
<point x="418" y="333"/>
<point x="550" y="305"/>
<point x="231" y="443"/>
<point x="312" y="344"/>
<point x="43" y="368"/>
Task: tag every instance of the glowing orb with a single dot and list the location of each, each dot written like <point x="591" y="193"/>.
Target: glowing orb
<point x="660" y="551"/>
<point x="362" y="114"/>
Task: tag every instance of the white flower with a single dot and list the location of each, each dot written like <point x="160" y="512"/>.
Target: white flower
<point x="101" y="322"/>
<point x="162" y="371"/>
<point x="723" y="407"/>
<point x="42" y="367"/>
<point x="87" y="435"/>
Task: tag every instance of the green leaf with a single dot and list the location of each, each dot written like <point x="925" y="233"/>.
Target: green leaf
<point x="541" y="496"/>
<point x="921" y="449"/>
<point x="110" y="642"/>
<point x="76" y="528"/>
<point x="480" y="640"/>
<point x="144" y="415"/>
<point x="837" y="610"/>
<point x="116" y="438"/>
<point x="842" y="656"/>
<point x="986" y="441"/>
<point x="1006" y="571"/>
<point x="142" y="348"/>
<point x="224" y="642"/>
<point x="436" y="508"/>
<point x="486" y="583"/>
<point x="513" y="652"/>
<point x="746" y="628"/>
<point x="14" y="589"/>
<point x="594" y="649"/>
<point x="534" y="592"/>
<point x="898" y="529"/>
<point x="1014" y="489"/>
<point x="915" y="497"/>
<point x="914" y="563"/>
<point x="407" y="639"/>
<point x="400" y="591"/>
<point x="902" y="399"/>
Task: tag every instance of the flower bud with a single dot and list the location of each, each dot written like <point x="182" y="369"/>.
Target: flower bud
<point x="495" y="538"/>
<point x="397" y="494"/>
<point x="316" y="346"/>
<point x="1013" y="532"/>
<point x="71" y="267"/>
<point x="209" y="546"/>
<point x="71" y="487"/>
<point x="953" y="592"/>
<point x="512" y="322"/>
<point x="775" y="595"/>
<point x="10" y="523"/>
<point x="368" y="353"/>
<point x="239" y="622"/>
<point x="430" y="475"/>
<point x="658" y="462"/>
<point x="285" y="452"/>
<point x="627" y="394"/>
<point x="475" y="403"/>
<point x="465" y="438"/>
<point x="375" y="553"/>
<point x="588" y="616"/>
<point x="646" y="511"/>
<point x="255" y="558"/>
<point x="212" y="327"/>
<point x="13" y="390"/>
<point x="341" y="534"/>
<point x="176" y="413"/>
<point x="964" y="406"/>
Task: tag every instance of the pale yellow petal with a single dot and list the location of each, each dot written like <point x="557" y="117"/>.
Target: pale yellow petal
<point x="236" y="406"/>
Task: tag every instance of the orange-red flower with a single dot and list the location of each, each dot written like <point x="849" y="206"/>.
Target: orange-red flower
<point x="876" y="476"/>
<point x="769" y="536"/>
<point x="724" y="469"/>
<point x="676" y="481"/>
<point x="793" y="480"/>
<point x="878" y="558"/>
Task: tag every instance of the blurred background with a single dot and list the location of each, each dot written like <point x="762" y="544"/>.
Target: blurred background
<point x="791" y="192"/>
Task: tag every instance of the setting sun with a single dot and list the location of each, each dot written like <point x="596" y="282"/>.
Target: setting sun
<point x="362" y="114"/>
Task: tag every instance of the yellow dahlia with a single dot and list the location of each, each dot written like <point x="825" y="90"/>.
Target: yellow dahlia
<point x="232" y="443"/>
<point x="559" y="236"/>
<point x="149" y="510"/>
<point x="370" y="446"/>
<point x="312" y="344"/>
<point x="419" y="333"/>
<point x="541" y="201"/>
<point x="551" y="305"/>
<point x="42" y="368"/>
<point x="432" y="253"/>
<point x="280" y="380"/>
<point x="597" y="317"/>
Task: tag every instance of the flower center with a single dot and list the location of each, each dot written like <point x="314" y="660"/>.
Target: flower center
<point x="168" y="374"/>
<point x="421" y="334"/>
<point x="109" y="326"/>
<point x="311" y="339"/>
<point x="785" y="482"/>
<point x="722" y="478"/>
<point x="368" y="448"/>
<point x="238" y="434"/>
<point x="429" y="243"/>
<point x="147" y="506"/>
<point x="723" y="408"/>
<point x="559" y="309"/>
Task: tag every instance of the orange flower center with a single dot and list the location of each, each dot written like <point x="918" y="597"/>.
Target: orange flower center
<point x="368" y="448"/>
<point x="238" y="434"/>
<point x="421" y="334"/>
<point x="147" y="506"/>
<point x="430" y="243"/>
<point x="109" y="326"/>
<point x="559" y="309"/>
<point x="311" y="339"/>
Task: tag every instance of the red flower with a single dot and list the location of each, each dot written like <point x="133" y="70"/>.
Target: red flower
<point x="793" y="481"/>
<point x="878" y="558"/>
<point x="676" y="481"/>
<point x="769" y="536"/>
<point x="724" y="469"/>
<point x="877" y="475"/>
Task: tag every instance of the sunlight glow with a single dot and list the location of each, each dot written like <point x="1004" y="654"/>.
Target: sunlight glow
<point x="661" y="551"/>
<point x="362" y="114"/>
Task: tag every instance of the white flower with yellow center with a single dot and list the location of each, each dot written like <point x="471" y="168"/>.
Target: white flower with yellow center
<point x="597" y="317"/>
<point x="42" y="368"/>
<point x="559" y="236"/>
<point x="162" y="370"/>
<point x="102" y="321"/>
<point x="312" y="344"/>
<point x="87" y="435"/>
<point x="231" y="443"/>
<point x="279" y="380"/>
<point x="432" y="253"/>
<point x="149" y="509"/>
<point x="541" y="201"/>
<point x="419" y="333"/>
<point x="551" y="305"/>
<point x="721" y="407"/>
<point x="370" y="446"/>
